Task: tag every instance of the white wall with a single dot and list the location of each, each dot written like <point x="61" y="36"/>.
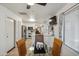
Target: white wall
<point x="4" y="13"/>
<point x="18" y="29"/>
<point x="30" y="24"/>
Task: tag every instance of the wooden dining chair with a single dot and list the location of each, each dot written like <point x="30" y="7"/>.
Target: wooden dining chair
<point x="57" y="44"/>
<point x="21" y="45"/>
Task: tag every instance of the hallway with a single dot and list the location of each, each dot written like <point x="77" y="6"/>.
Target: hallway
<point x="39" y="25"/>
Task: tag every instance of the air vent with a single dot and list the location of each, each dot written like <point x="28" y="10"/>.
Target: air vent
<point x="23" y="13"/>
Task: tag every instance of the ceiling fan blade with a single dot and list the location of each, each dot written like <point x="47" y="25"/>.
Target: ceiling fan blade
<point x="43" y="4"/>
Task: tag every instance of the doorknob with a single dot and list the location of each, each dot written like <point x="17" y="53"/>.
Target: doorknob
<point x="7" y="36"/>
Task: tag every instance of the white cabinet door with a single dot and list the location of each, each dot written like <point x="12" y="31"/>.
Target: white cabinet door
<point x="9" y="32"/>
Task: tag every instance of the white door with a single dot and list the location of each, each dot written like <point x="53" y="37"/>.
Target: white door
<point x="9" y="30"/>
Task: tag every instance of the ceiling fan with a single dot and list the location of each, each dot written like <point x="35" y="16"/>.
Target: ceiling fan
<point x="42" y="4"/>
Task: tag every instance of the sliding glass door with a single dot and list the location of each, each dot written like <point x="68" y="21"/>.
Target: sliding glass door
<point x="71" y="29"/>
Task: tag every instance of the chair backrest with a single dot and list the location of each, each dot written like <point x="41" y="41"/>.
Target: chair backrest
<point x="39" y="38"/>
<point x="57" y="44"/>
<point x="21" y="47"/>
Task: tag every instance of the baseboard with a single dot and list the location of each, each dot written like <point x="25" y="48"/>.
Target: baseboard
<point x="11" y="49"/>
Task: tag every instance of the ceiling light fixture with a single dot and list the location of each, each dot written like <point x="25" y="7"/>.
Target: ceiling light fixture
<point x="32" y="20"/>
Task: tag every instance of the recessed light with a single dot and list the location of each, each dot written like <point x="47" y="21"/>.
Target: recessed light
<point x="32" y="20"/>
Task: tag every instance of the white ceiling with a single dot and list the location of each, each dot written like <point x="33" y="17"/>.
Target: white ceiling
<point x="40" y="13"/>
